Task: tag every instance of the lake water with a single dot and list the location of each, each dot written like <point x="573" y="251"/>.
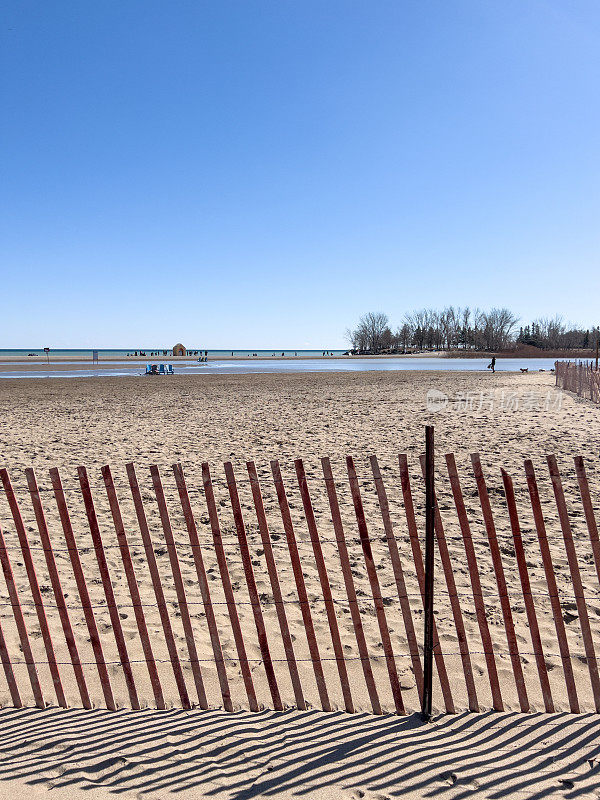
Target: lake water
<point x="79" y="369"/>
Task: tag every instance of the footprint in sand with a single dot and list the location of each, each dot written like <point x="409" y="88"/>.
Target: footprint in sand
<point x="57" y="771"/>
<point x="451" y="779"/>
<point x="448" y="777"/>
<point x="566" y="783"/>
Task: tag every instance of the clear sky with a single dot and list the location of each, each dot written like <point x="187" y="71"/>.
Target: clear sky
<point x="258" y="174"/>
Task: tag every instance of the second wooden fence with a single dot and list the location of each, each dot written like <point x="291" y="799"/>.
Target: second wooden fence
<point x="580" y="377"/>
<point x="300" y="587"/>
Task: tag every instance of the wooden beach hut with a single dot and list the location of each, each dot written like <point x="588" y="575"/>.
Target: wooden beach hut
<point x="179" y="350"/>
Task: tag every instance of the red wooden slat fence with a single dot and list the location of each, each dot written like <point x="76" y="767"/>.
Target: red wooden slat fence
<point x="553" y="594"/>
<point x="250" y="590"/>
<point x="325" y="586"/>
<point x="527" y="596"/>
<point x="111" y="603"/>
<point x="580" y="377"/>
<point x="509" y="625"/>
<point x="473" y="569"/>
<point x="417" y="554"/>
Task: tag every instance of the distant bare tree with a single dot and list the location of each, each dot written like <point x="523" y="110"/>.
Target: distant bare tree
<point x="498" y="327"/>
<point x="456" y="328"/>
<point x="372" y="333"/>
<point x="550" y="331"/>
<point x="465" y="322"/>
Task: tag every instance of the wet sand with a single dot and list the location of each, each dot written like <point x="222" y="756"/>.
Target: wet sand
<point x="58" y="363"/>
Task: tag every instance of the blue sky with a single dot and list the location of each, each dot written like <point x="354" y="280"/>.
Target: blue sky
<point x="258" y="174"/>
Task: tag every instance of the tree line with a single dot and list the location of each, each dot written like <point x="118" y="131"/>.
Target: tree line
<point x="455" y="328"/>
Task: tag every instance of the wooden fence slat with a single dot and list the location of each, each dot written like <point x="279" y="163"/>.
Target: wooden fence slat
<point x="82" y="589"/>
<point x="463" y="645"/>
<point x="186" y="620"/>
<point x="536" y="639"/>
<point x="259" y="621"/>
<point x="8" y="672"/>
<point x="211" y="622"/>
<point x="392" y="544"/>
<point x="559" y="622"/>
<point x="409" y="627"/>
<point x="413" y="534"/>
<point x="13" y="595"/>
<point x="161" y="602"/>
<point x="584" y="620"/>
<point x="309" y="627"/>
<point x="588" y="510"/>
<point x="15" y="603"/>
<point x="111" y="603"/>
<point x="59" y="597"/>
<point x="359" y="633"/>
<point x="34" y="586"/>
<point x="365" y="542"/>
<point x="211" y="505"/>
<point x="473" y="569"/>
<point x="509" y="625"/>
<point x="275" y="586"/>
<point x="132" y="585"/>
<point x="325" y="587"/>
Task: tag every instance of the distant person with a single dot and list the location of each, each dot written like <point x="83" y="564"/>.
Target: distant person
<point x="492" y="364"/>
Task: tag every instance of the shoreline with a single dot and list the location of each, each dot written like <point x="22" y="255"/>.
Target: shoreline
<point x="445" y="354"/>
<point x="56" y="360"/>
<point x="169" y="358"/>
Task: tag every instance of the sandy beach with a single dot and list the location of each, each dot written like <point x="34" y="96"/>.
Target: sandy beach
<point x="66" y="423"/>
<point x="193" y="418"/>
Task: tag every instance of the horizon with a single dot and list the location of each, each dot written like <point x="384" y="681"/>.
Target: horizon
<point x="264" y="171"/>
<point x="193" y="347"/>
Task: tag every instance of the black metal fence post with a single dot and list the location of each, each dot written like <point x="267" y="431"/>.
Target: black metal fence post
<point x="429" y="562"/>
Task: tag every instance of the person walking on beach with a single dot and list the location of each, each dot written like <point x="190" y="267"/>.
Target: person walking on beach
<point x="492" y="364"/>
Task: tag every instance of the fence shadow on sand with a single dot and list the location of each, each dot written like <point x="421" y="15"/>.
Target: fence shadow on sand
<point x="274" y="754"/>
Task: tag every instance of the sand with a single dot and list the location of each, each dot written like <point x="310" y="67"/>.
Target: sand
<point x="150" y="754"/>
<point x="189" y="419"/>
